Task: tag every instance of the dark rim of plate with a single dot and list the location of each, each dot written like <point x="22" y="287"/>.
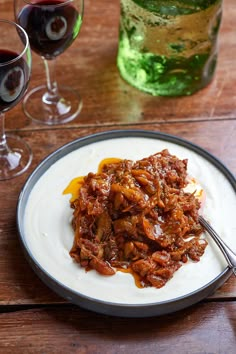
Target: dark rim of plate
<point x="87" y="140"/>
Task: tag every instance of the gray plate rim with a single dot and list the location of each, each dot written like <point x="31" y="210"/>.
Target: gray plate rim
<point x="89" y="303"/>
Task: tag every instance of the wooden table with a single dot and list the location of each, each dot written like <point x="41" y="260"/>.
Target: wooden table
<point x="33" y="319"/>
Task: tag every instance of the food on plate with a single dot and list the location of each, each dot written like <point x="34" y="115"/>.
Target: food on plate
<point x="136" y="217"/>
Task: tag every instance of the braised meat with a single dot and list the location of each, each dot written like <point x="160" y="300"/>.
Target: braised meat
<point x="136" y="216"/>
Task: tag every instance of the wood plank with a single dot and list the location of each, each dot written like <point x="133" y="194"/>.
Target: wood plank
<point x="18" y="284"/>
<point x="217" y="137"/>
<point x="203" y="328"/>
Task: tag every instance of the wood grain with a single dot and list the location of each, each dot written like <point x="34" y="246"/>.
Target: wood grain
<point x="203" y="328"/>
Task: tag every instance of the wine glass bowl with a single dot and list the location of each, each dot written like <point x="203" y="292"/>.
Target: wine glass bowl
<point x="15" y="69"/>
<point x="52" y="26"/>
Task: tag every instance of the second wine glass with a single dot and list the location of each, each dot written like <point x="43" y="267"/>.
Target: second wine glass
<point x="15" y="69"/>
<point x="52" y="26"/>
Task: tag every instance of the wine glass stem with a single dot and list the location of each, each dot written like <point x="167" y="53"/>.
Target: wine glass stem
<point x="3" y="141"/>
<point x="52" y="95"/>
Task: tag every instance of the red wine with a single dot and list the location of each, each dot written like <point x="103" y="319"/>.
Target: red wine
<point x="50" y="27"/>
<point x="14" y="78"/>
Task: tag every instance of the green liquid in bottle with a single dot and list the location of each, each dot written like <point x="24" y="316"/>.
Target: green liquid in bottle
<point x="168" y="48"/>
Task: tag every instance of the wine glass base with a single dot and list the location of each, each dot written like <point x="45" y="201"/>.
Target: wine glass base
<point x="15" y="159"/>
<point x="62" y="111"/>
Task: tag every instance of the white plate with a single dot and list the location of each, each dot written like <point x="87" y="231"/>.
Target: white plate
<point x="44" y="222"/>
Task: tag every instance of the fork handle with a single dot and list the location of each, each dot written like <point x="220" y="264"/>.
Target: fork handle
<point x="230" y="256"/>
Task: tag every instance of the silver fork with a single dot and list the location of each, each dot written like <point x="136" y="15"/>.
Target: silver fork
<point x="230" y="256"/>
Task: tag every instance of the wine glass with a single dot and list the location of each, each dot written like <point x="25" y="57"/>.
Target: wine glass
<point x="15" y="69"/>
<point x="52" y="26"/>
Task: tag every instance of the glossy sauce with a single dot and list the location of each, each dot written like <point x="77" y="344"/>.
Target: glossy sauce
<point x="77" y="182"/>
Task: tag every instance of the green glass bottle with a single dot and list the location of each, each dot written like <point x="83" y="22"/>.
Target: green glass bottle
<point x="168" y="47"/>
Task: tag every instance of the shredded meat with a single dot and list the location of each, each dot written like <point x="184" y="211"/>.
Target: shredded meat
<point x="136" y="216"/>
